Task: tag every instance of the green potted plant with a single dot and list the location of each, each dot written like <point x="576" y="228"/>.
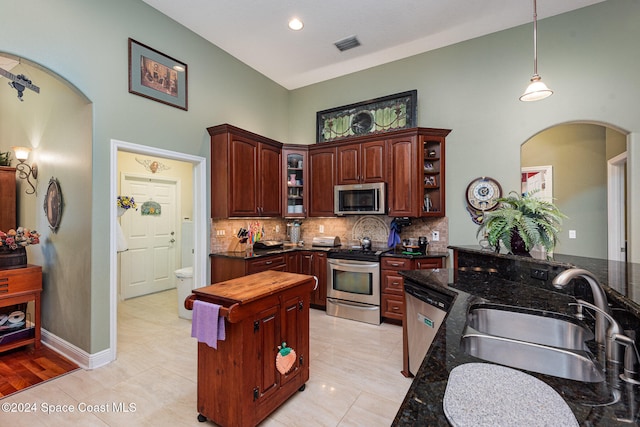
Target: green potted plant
<point x="522" y="222"/>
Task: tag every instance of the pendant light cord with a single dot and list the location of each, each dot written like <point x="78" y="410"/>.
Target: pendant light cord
<point x="535" y="39"/>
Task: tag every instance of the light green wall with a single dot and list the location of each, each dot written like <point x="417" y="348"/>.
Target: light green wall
<point x="56" y="124"/>
<point x="577" y="153"/>
<point x="471" y="87"/>
<point x="85" y="41"/>
<point x="589" y="57"/>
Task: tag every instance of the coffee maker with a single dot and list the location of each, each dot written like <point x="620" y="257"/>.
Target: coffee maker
<point x="422" y="244"/>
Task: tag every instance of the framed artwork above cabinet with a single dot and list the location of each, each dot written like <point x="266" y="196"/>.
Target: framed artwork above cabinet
<point x="376" y="116"/>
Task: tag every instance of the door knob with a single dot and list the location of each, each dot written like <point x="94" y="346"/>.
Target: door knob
<point x="172" y="241"/>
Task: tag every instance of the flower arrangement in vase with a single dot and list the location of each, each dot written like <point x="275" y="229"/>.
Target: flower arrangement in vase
<point x="19" y="238"/>
<point x="125" y="203"/>
<point x="13" y="244"/>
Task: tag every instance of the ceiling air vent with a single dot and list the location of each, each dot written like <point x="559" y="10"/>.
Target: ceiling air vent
<point x="348" y="43"/>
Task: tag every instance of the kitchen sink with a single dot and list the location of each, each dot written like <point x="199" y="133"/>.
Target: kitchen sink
<point x="536" y="341"/>
<point x="534" y="326"/>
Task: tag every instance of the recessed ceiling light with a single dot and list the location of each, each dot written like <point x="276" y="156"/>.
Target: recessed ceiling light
<point x="295" y="24"/>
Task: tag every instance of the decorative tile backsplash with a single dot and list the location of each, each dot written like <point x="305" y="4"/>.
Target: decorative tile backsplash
<point x="350" y="229"/>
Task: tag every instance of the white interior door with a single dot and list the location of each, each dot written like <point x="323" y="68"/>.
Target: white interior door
<point x="148" y="265"/>
<point x="616" y="190"/>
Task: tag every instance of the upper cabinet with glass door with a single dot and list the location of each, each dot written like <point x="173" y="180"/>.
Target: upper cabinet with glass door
<point x="432" y="165"/>
<point x="295" y="181"/>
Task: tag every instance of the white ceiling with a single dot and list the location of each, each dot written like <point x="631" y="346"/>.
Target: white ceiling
<point x="256" y="32"/>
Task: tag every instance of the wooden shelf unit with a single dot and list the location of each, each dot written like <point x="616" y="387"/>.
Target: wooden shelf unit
<point x="18" y="286"/>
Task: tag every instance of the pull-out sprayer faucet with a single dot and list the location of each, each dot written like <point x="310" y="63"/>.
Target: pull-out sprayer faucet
<point x="599" y="297"/>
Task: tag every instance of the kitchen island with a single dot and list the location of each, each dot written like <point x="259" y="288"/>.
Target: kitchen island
<point x="610" y="403"/>
<point x="246" y="376"/>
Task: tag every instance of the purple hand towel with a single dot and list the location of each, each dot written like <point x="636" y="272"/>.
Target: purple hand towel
<point x="207" y="325"/>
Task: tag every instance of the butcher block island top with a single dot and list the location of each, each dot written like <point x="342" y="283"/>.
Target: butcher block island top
<point x="242" y="381"/>
<point x="233" y="294"/>
<point x="245" y="289"/>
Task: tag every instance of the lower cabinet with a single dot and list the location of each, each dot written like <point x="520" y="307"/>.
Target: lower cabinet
<point x="227" y="268"/>
<point x="18" y="287"/>
<point x="392" y="283"/>
<point x="314" y="263"/>
<point x="239" y="383"/>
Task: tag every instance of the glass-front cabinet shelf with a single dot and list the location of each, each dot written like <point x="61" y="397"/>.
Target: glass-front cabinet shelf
<point x="295" y="179"/>
<point x="432" y="176"/>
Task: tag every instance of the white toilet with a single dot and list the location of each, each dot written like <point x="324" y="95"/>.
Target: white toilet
<point x="184" y="275"/>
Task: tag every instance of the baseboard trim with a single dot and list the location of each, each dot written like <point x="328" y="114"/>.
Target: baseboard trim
<point x="77" y="355"/>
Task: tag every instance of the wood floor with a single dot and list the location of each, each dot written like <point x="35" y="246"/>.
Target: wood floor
<point x="26" y="366"/>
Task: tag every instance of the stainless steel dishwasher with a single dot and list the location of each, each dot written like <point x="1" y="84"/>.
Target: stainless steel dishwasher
<point x="426" y="309"/>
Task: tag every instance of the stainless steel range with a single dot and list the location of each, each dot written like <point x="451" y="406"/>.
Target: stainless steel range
<point x="353" y="284"/>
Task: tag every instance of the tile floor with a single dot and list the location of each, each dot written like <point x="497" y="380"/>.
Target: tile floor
<point x="355" y="377"/>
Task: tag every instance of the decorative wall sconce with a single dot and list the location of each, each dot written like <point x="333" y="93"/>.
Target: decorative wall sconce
<point x="25" y="170"/>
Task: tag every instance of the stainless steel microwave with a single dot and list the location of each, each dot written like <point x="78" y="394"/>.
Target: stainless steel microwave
<point x="360" y="199"/>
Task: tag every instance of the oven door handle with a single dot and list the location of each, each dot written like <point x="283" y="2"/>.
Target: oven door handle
<point x="348" y="263"/>
<point x="353" y="304"/>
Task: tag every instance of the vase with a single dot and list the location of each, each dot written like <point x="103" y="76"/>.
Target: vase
<point x="12" y="258"/>
<point x="121" y="211"/>
<point x="518" y="246"/>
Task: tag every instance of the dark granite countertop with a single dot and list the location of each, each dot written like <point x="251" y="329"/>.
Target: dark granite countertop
<point x="620" y="280"/>
<point x="593" y="404"/>
<point x="252" y="254"/>
<point x="430" y="254"/>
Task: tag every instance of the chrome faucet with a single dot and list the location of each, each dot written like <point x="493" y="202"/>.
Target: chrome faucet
<point x="614" y="335"/>
<point x="599" y="298"/>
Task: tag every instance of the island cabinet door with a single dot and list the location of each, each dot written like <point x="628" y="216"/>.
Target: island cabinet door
<point x="285" y="322"/>
<point x="266" y="329"/>
<point x="293" y="320"/>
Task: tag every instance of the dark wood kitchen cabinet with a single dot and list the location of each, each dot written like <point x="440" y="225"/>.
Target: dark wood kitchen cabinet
<point x="410" y="161"/>
<point x="416" y="184"/>
<point x="361" y="162"/>
<point x="227" y="268"/>
<point x="246" y="173"/>
<point x="402" y="188"/>
<point x="293" y="262"/>
<point x="314" y="263"/>
<point x="295" y="181"/>
<point x="392" y="283"/>
<point x="322" y="169"/>
<point x="239" y="383"/>
<point x="431" y="171"/>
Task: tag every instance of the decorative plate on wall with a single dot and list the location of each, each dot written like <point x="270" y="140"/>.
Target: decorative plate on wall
<point x="482" y="195"/>
<point x="53" y="204"/>
<point x="389" y="113"/>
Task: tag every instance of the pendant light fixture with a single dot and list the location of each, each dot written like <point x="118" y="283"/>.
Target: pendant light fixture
<point x="537" y="89"/>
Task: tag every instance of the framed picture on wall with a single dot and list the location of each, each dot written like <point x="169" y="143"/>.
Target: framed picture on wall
<point x="154" y="75"/>
<point x="539" y="181"/>
<point x="385" y="114"/>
